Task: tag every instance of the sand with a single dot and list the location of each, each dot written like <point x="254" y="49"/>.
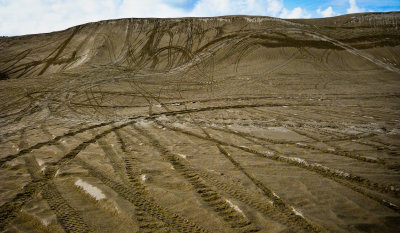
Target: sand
<point x="229" y="124"/>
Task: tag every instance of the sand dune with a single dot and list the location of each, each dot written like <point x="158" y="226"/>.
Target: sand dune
<point x="227" y="124"/>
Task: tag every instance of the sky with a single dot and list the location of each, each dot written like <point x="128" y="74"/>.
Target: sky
<point x="20" y="17"/>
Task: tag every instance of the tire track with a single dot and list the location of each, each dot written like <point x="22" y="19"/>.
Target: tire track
<point x="147" y="222"/>
<point x="301" y="222"/>
<point x="354" y="51"/>
<point x="22" y="139"/>
<point x="51" y="169"/>
<point x="153" y="116"/>
<point x="296" y="220"/>
<point x="143" y="204"/>
<point x="207" y="193"/>
<point x="334" y="114"/>
<point x="50" y="142"/>
<point x="66" y="215"/>
<point x="303" y="145"/>
<point x="225" y="107"/>
<point x="112" y="156"/>
<point x="70" y="220"/>
<point x="348" y="184"/>
<point x="377" y="147"/>
<point x="354" y="138"/>
<point x="336" y="151"/>
<point x="16" y="58"/>
<point x="10" y="210"/>
<point x="266" y="208"/>
<point x="60" y="50"/>
<point x="335" y="175"/>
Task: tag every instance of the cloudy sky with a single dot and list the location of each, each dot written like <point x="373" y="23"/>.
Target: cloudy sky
<point x="18" y="17"/>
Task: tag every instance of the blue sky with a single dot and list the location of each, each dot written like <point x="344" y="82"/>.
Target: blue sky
<point x="18" y="17"/>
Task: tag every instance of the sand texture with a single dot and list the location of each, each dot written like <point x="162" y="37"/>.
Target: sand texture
<point x="228" y="124"/>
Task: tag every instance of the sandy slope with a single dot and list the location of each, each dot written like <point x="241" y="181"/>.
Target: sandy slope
<point x="229" y="124"/>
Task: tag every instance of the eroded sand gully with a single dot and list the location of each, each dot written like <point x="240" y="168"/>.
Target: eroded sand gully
<point x="231" y="124"/>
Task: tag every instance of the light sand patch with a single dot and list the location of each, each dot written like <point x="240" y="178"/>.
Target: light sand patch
<point x="93" y="191"/>
<point x="336" y="171"/>
<point x="162" y="118"/>
<point x="296" y="212"/>
<point x="268" y="153"/>
<point x="143" y="178"/>
<point x="295" y="159"/>
<point x="182" y="156"/>
<point x="179" y="125"/>
<point x="301" y="144"/>
<point x="45" y="222"/>
<point x="391" y="204"/>
<point x="40" y="162"/>
<point x="143" y="123"/>
<point x="393" y="188"/>
<point x="394" y="132"/>
<point x="235" y="207"/>
<point x="16" y="148"/>
<point x="279" y="129"/>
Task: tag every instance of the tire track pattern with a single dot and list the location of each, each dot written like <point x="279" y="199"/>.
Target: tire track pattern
<point x="10" y="210"/>
<point x="143" y="204"/>
<point x="66" y="215"/>
<point x="335" y="175"/>
<point x="147" y="223"/>
<point x="268" y="209"/>
<point x="211" y="197"/>
<point x="304" y="145"/>
<point x="339" y="153"/>
<point x="277" y="201"/>
<point x="50" y="142"/>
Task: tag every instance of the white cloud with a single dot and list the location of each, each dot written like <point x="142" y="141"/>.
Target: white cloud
<point x="353" y="7"/>
<point x="296" y="13"/>
<point x="19" y="17"/>
<point x="235" y="7"/>
<point x="274" y="8"/>
<point x="328" y="12"/>
<point x="148" y="8"/>
<point x="35" y="16"/>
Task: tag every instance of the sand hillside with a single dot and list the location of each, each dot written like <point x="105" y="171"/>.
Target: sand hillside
<point x="227" y="124"/>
